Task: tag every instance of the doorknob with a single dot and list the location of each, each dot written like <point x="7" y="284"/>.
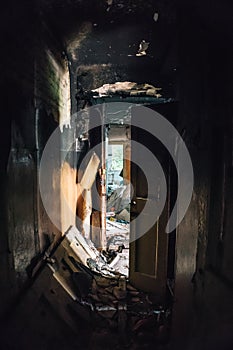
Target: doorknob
<point x="133" y="202"/>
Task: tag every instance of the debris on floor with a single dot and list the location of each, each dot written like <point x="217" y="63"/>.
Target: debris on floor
<point x="94" y="281"/>
<point x="84" y="252"/>
<point x="117" y="234"/>
<point x="119" y="199"/>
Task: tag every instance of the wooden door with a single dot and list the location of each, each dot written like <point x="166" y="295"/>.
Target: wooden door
<point x="149" y="253"/>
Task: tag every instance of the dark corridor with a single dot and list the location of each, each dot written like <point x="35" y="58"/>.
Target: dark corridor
<point x="60" y="58"/>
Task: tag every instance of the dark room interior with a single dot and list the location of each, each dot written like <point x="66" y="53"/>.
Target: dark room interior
<point x="76" y="75"/>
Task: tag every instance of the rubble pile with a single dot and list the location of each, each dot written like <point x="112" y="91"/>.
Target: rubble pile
<point x="91" y="281"/>
<point x="117" y="234"/>
<point x="129" y="312"/>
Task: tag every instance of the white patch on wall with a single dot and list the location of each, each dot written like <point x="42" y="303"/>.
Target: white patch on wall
<point x="62" y="75"/>
<point x="65" y="104"/>
<point x="156" y="16"/>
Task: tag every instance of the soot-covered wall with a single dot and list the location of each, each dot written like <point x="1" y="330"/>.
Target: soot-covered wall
<point x="36" y="90"/>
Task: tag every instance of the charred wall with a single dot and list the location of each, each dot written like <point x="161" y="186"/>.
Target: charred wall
<point x="35" y="89"/>
<point x="203" y="304"/>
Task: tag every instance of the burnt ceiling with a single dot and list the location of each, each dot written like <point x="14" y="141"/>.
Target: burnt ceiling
<point x="101" y="37"/>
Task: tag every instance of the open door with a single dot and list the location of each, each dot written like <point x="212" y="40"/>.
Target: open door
<point x="149" y="253"/>
<point x="151" y="256"/>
